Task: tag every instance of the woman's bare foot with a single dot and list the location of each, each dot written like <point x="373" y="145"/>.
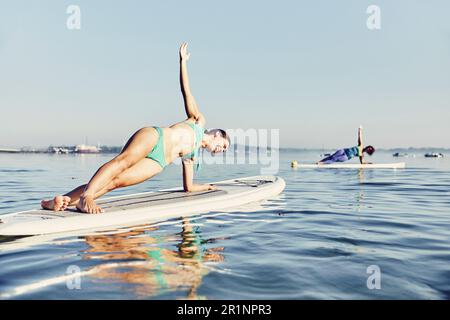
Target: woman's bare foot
<point x="88" y="205"/>
<point x="58" y="203"/>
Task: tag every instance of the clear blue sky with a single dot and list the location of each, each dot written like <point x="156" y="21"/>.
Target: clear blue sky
<point x="310" y="68"/>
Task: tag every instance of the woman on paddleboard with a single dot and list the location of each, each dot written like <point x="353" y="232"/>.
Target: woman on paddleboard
<point x="346" y="154"/>
<point x="148" y="152"/>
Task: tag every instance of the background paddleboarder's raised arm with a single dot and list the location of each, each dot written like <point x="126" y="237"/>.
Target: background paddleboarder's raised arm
<point x="360" y="145"/>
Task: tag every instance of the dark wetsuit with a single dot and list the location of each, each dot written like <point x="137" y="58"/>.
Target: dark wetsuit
<point x="342" y="155"/>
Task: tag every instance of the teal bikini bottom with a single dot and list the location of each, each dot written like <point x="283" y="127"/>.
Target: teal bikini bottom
<point x="157" y="153"/>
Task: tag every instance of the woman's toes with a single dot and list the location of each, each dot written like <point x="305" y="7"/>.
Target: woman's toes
<point x="66" y="200"/>
<point x="60" y="203"/>
<point x="47" y="204"/>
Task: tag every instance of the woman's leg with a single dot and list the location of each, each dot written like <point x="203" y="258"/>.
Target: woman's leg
<point x="141" y="171"/>
<point x="338" y="156"/>
<point x="342" y="158"/>
<point x="136" y="149"/>
<point x="329" y="158"/>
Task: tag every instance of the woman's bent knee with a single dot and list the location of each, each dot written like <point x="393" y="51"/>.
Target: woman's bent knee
<point x="115" y="184"/>
<point x="122" y="162"/>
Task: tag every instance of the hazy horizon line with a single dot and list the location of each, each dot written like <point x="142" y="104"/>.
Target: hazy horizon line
<point x="251" y="146"/>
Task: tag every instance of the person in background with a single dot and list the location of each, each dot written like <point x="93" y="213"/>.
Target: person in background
<point x="346" y="154"/>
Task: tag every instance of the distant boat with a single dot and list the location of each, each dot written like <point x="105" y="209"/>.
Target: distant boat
<point x="58" y="150"/>
<point x="83" y="148"/>
<point x="400" y="155"/>
<point x="4" y="150"/>
<point x="434" y="155"/>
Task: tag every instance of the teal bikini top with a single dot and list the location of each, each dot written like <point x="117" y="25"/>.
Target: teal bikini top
<point x="352" y="152"/>
<point x="199" y="132"/>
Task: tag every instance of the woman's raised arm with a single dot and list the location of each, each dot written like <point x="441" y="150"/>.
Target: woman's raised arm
<point x="190" y="104"/>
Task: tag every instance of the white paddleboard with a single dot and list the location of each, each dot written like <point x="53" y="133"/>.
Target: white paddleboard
<point x="399" y="165"/>
<point x="148" y="207"/>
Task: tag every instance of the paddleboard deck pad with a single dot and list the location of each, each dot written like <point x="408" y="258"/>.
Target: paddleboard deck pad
<point x="148" y="207"/>
<point x="399" y="165"/>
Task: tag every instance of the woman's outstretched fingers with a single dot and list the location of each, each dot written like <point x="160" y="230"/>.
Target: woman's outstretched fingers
<point x="184" y="55"/>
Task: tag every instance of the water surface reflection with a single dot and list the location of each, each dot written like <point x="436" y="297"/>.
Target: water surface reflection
<point x="154" y="264"/>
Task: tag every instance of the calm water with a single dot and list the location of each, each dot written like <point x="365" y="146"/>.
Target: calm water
<point x="315" y="241"/>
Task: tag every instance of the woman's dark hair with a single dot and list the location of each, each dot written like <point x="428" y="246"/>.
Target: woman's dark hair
<point x="369" y="150"/>
<point x="223" y="133"/>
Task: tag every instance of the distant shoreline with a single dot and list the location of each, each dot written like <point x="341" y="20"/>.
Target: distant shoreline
<point x="117" y="149"/>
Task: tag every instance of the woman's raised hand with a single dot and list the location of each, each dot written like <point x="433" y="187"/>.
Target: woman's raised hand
<point x="184" y="55"/>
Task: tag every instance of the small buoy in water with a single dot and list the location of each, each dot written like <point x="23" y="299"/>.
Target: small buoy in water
<point x="294" y="164"/>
